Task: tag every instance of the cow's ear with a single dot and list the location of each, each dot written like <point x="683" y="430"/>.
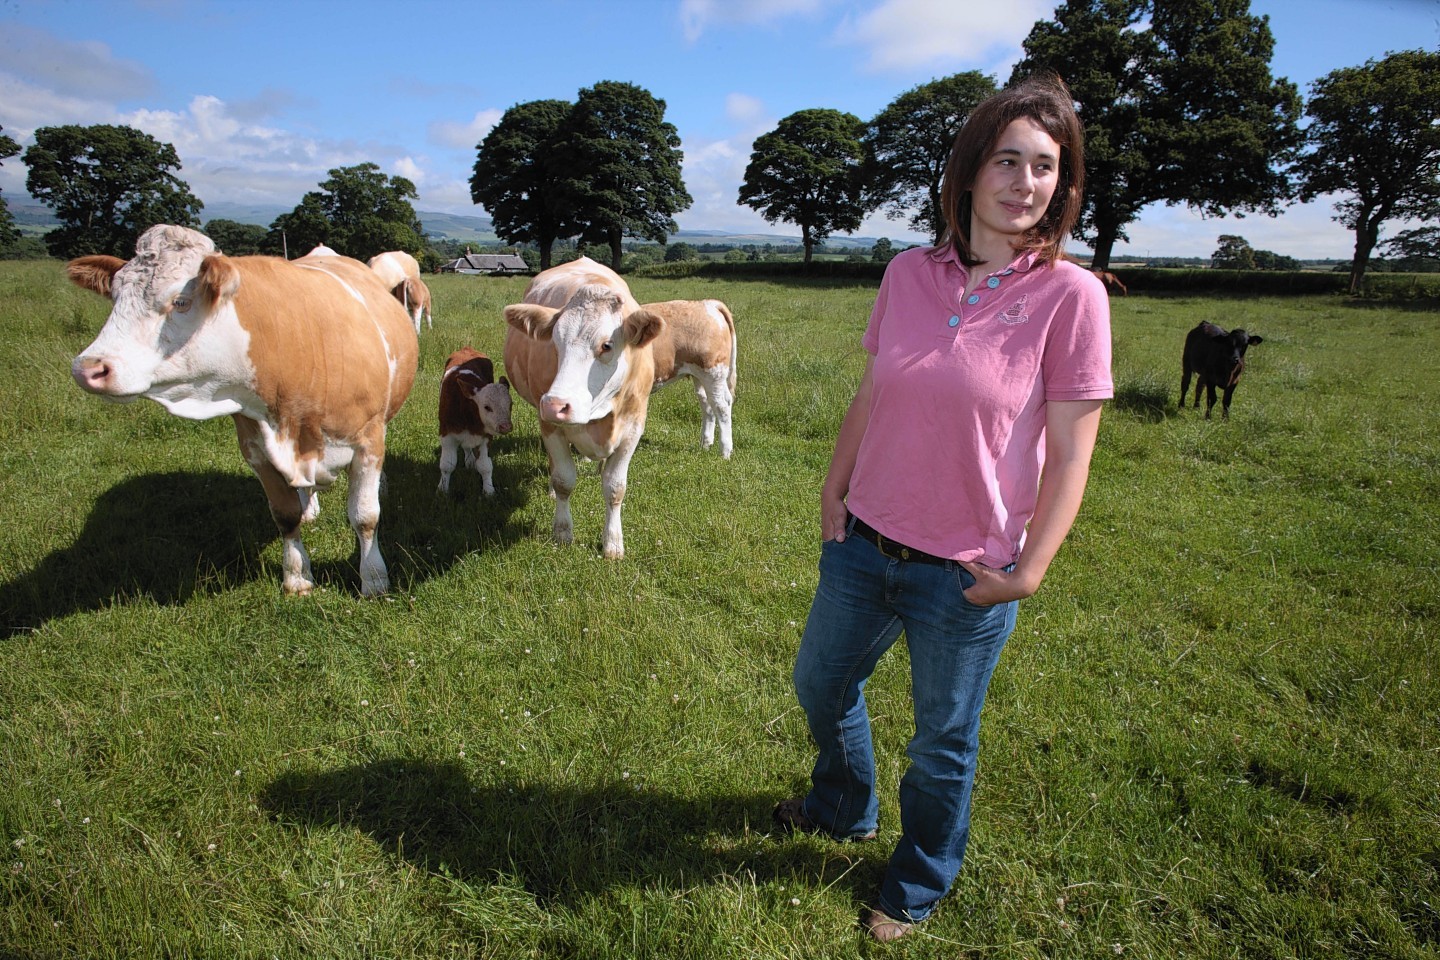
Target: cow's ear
<point x="504" y="383"/>
<point x="531" y="319"/>
<point x="642" y="326"/>
<point x="94" y="273"/>
<point x="1254" y="339"/>
<point x="217" y="281"/>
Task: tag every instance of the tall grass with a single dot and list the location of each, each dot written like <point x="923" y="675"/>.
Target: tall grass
<point x="1214" y="733"/>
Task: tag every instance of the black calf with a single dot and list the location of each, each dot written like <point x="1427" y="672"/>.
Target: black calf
<point x="1216" y="358"/>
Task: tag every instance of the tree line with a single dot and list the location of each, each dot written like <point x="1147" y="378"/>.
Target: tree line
<point x="1177" y="98"/>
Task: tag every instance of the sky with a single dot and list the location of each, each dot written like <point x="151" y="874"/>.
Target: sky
<point x="262" y="97"/>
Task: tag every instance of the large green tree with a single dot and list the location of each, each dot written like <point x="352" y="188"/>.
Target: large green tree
<point x="1178" y="104"/>
<point x="809" y="171"/>
<point x="515" y="184"/>
<point x="358" y="211"/>
<point x="617" y="166"/>
<point x="909" y="143"/>
<point x="107" y="185"/>
<point x="236" y="239"/>
<point x="8" y="233"/>
<point x="1375" y="140"/>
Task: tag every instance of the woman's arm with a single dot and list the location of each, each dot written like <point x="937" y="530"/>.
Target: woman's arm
<point x="842" y="463"/>
<point x="1071" y="427"/>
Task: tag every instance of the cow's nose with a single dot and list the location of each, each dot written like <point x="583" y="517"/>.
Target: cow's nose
<point x="91" y="374"/>
<point x="503" y="428"/>
<point x="556" y="411"/>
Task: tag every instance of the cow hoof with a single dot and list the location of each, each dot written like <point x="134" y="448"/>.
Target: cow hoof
<point x="375" y="588"/>
<point x="614" y="553"/>
<point x="298" y="588"/>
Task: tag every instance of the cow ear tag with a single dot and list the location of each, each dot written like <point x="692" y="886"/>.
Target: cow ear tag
<point x="954" y="321"/>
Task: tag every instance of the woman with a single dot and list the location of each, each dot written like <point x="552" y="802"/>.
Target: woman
<point x="990" y="357"/>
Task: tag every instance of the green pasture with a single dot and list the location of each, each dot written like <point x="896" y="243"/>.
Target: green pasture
<point x="1215" y="733"/>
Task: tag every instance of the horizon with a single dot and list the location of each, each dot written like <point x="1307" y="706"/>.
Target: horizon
<point x="263" y="120"/>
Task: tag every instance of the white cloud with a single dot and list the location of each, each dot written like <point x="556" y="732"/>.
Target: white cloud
<point x="906" y="35"/>
<point x="464" y="136"/>
<point x="69" y="68"/>
<point x="744" y="109"/>
<point x="696" y="16"/>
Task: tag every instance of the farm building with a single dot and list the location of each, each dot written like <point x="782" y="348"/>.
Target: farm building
<point x="487" y="263"/>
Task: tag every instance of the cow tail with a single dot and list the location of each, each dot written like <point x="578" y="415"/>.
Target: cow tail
<point x="734" y="347"/>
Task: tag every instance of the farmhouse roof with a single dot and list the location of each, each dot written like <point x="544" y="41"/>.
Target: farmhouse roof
<point x="487" y="263"/>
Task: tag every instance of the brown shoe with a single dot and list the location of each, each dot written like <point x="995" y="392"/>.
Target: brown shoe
<point x="882" y="927"/>
<point x="789" y="815"/>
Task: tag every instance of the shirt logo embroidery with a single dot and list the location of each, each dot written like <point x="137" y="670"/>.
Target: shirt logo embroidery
<point x="1015" y="313"/>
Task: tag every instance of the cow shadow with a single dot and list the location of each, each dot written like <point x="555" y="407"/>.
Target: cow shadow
<point x="564" y="844"/>
<point x="166" y="536"/>
<point x="160" y="536"/>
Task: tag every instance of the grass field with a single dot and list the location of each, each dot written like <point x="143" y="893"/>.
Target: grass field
<point x="1215" y="733"/>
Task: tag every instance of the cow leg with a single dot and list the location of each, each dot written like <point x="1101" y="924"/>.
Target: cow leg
<point x="563" y="477"/>
<point x="707" y="415"/>
<point x="364" y="510"/>
<point x="1209" y="398"/>
<point x="612" y="483"/>
<point x="309" y="504"/>
<point x="287" y="508"/>
<point x="485" y="466"/>
<point x="1225" y="403"/>
<point x="449" y="454"/>
<point x="721" y="400"/>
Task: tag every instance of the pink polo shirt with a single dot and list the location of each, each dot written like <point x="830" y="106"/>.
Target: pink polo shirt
<point x="951" y="458"/>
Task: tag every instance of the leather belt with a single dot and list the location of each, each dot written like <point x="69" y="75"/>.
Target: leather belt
<point x="893" y="548"/>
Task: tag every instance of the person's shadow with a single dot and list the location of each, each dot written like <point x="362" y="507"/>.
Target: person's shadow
<point x="563" y="844"/>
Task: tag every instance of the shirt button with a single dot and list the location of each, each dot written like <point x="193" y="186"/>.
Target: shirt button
<point x="993" y="282"/>
<point x="973" y="299"/>
<point x="955" y="321"/>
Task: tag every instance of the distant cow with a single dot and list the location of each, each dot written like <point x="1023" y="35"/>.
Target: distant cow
<point x="400" y="273"/>
<point x="1217" y="359"/>
<point x="1111" y="281"/>
<point x="474" y="407"/>
<point x="311" y="357"/>
<point x="579" y="351"/>
<point x="698" y="341"/>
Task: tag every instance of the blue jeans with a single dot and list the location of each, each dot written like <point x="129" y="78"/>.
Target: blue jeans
<point x="863" y="602"/>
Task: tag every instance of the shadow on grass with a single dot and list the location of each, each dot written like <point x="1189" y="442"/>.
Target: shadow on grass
<point x="165" y="536"/>
<point x="563" y="844"/>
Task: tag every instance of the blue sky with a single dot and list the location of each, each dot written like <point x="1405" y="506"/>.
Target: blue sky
<point x="262" y="97"/>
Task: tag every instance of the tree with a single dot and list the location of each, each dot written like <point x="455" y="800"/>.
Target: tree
<point x="107" y="185"/>
<point x="515" y="185"/>
<point x="8" y="234"/>
<point x="809" y="171"/>
<point x="358" y="212"/>
<point x="677" y="252"/>
<point x="884" y="251"/>
<point x="908" y="144"/>
<point x="618" y="166"/>
<point x="1421" y="244"/>
<point x="1234" y="253"/>
<point x="236" y="239"/>
<point x="1184" y="112"/>
<point x="1375" y="138"/>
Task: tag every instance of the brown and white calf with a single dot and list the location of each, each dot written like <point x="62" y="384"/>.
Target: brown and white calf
<point x="698" y="341"/>
<point x="474" y="407"/>
<point x="400" y="273"/>
<point x="311" y="357"/>
<point x="579" y="351"/>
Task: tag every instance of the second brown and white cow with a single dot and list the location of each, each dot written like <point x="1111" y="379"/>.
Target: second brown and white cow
<point x="474" y="408"/>
<point x="578" y="350"/>
<point x="400" y="272"/>
<point x="698" y="341"/>
<point x="311" y="357"/>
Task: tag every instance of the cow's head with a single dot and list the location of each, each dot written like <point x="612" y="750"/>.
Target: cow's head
<point x="595" y="335"/>
<point x="492" y="401"/>
<point x="1232" y="346"/>
<point x="162" y="298"/>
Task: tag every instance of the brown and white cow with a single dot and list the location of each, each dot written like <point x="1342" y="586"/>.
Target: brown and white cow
<point x="579" y="351"/>
<point x="698" y="341"/>
<point x="311" y="357"/>
<point x="474" y="407"/>
<point x="400" y="273"/>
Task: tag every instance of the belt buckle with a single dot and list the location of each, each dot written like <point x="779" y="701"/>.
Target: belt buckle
<point x="901" y="554"/>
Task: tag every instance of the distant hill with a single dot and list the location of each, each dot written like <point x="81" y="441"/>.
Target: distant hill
<point x="36" y="218"/>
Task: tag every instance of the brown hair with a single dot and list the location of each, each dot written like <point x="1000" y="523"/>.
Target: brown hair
<point x="1044" y="98"/>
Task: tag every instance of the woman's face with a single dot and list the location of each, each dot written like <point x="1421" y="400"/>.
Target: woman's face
<point x="1013" y="188"/>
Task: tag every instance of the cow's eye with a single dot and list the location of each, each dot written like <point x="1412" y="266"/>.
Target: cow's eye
<point x="181" y="304"/>
<point x="607" y="346"/>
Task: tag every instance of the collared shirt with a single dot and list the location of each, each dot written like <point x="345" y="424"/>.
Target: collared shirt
<point x="951" y="458"/>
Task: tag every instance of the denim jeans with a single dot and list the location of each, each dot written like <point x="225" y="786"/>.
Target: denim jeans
<point x="863" y="602"/>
